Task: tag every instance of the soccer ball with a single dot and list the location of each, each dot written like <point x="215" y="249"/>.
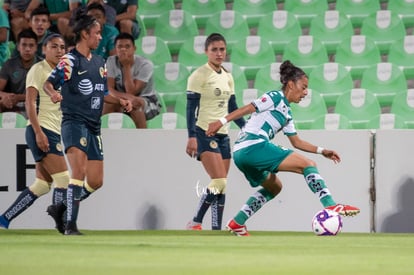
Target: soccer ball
<point x="326" y="223"/>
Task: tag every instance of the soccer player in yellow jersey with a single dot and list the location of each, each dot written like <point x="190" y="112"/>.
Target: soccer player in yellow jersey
<point x="43" y="135"/>
<point x="210" y="96"/>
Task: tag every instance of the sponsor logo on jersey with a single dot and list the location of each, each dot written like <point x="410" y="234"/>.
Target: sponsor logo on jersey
<point x="85" y="87"/>
<point x="95" y="103"/>
<point x="217" y="92"/>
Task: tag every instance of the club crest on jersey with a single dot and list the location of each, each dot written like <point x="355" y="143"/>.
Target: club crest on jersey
<point x="102" y="71"/>
<point x="217" y="92"/>
<point x="213" y="144"/>
<point x="83" y="141"/>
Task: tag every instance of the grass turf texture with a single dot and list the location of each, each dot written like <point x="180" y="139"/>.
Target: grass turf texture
<point x="203" y="252"/>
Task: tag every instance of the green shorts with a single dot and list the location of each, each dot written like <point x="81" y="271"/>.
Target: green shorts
<point x="258" y="160"/>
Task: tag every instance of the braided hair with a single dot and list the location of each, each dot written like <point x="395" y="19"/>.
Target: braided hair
<point x="288" y="71"/>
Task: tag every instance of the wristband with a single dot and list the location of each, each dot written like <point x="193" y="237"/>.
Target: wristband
<point x="223" y="120"/>
<point x="319" y="150"/>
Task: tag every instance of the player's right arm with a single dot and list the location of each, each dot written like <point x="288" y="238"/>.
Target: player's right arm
<point x="31" y="98"/>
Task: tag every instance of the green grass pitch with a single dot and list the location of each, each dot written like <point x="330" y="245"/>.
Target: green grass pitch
<point x="203" y="252"/>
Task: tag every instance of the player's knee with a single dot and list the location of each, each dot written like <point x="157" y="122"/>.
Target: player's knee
<point x="40" y="187"/>
<point x="61" y="179"/>
<point x="218" y="186"/>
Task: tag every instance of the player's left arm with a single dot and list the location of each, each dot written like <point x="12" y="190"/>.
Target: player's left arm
<point x="303" y="145"/>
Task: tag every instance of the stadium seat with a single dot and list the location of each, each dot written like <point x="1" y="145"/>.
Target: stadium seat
<point x="331" y="29"/>
<point x="402" y="54"/>
<point x="143" y="29"/>
<point x="153" y="48"/>
<point x="175" y="27"/>
<point x="279" y="28"/>
<point x="167" y="121"/>
<point x="230" y="24"/>
<point x="117" y="121"/>
<point x="268" y="78"/>
<point x="387" y="121"/>
<point x="246" y="96"/>
<point x="240" y="81"/>
<point x="12" y="120"/>
<point x="357" y="53"/>
<point x="359" y="106"/>
<point x="357" y="10"/>
<point x="192" y="53"/>
<point x="201" y="10"/>
<point x="254" y="10"/>
<point x="170" y="81"/>
<point x="180" y="106"/>
<point x="306" y="52"/>
<point x="385" y="80"/>
<point x="251" y="54"/>
<point x="404" y="8"/>
<point x="151" y="10"/>
<point x="306" y="10"/>
<point x="403" y="106"/>
<point x="384" y="27"/>
<point x="330" y="121"/>
<point x="308" y="110"/>
<point x="330" y="80"/>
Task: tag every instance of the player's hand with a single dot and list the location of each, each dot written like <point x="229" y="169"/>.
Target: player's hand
<point x="213" y="127"/>
<point x="56" y="97"/>
<point x="42" y="142"/>
<point x="330" y="154"/>
<point x="126" y="104"/>
<point x="191" y="149"/>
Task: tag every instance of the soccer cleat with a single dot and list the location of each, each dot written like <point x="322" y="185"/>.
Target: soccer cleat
<point x="56" y="211"/>
<point x="194" y="226"/>
<point x="344" y="209"/>
<point x="72" y="230"/>
<point x="4" y="224"/>
<point x="237" y="229"/>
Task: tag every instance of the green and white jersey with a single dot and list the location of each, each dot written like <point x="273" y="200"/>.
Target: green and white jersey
<point x="272" y="115"/>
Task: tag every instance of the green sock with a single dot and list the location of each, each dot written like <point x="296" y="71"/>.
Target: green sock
<point x="253" y="204"/>
<point x="317" y="186"/>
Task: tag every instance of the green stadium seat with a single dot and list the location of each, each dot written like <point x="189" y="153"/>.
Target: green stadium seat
<point x="330" y="80"/>
<point x="201" y="10"/>
<point x="404" y="8"/>
<point x="403" y="106"/>
<point x="251" y="54"/>
<point x="357" y="10"/>
<point x="153" y="48"/>
<point x="359" y="106"/>
<point x="143" y="29"/>
<point x="167" y="121"/>
<point x="10" y="120"/>
<point x="180" y="106"/>
<point x="170" y="81"/>
<point x="385" y="80"/>
<point x="254" y="10"/>
<point x="192" y="53"/>
<point x="306" y="52"/>
<point x="331" y="29"/>
<point x="402" y="54"/>
<point x="357" y="53"/>
<point x="117" y="121"/>
<point x="246" y="96"/>
<point x="306" y="10"/>
<point x="240" y="81"/>
<point x="308" y="110"/>
<point x="387" y="121"/>
<point x="330" y="121"/>
<point x="230" y="24"/>
<point x="151" y="10"/>
<point x="175" y="27"/>
<point x="384" y="27"/>
<point x="268" y="78"/>
<point x="279" y="28"/>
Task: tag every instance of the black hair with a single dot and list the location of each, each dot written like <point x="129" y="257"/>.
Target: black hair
<point x="96" y="6"/>
<point x="27" y="33"/>
<point x="288" y="71"/>
<point x="124" y="35"/>
<point x="81" y="21"/>
<point x="213" y="38"/>
<point x="52" y="36"/>
<point x="40" y="10"/>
